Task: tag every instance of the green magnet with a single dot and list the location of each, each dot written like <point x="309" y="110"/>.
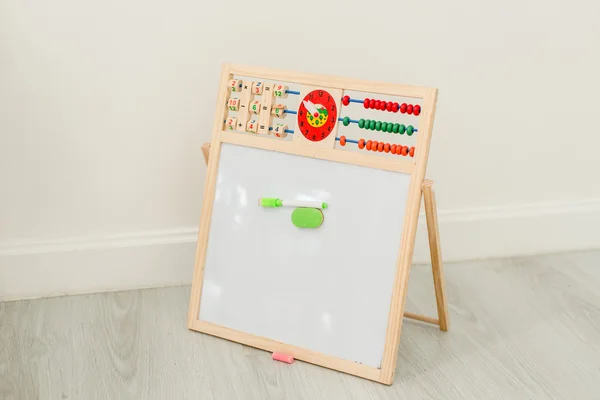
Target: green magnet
<point x="305" y="217"/>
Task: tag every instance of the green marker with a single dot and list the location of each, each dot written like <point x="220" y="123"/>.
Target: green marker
<point x="275" y="202"/>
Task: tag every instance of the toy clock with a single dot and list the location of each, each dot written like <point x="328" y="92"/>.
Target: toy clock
<point x="317" y="116"/>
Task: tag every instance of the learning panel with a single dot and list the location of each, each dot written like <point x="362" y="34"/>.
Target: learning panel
<point x="261" y="107"/>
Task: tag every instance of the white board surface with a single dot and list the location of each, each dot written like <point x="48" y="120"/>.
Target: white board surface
<point x="326" y="289"/>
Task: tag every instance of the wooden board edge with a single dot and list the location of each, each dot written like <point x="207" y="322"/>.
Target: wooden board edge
<point x="413" y="206"/>
<point x="207" y="202"/>
<point x="321" y="153"/>
<point x="336" y="82"/>
<point x="298" y="353"/>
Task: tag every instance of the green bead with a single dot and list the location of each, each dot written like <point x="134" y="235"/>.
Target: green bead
<point x="384" y="126"/>
<point x="346" y="121"/>
<point x="409" y="130"/>
<point x="378" y="125"/>
<point x="390" y="127"/>
<point x="371" y="125"/>
<point x="401" y="129"/>
<point x="396" y="127"/>
<point x="361" y="123"/>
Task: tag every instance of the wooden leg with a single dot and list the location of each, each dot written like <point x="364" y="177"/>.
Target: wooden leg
<point x="436" y="253"/>
<point x="206" y="151"/>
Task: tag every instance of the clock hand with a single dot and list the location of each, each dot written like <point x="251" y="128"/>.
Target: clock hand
<point x="311" y="108"/>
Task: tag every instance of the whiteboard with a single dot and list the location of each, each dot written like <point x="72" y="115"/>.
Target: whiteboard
<point x="326" y="289"/>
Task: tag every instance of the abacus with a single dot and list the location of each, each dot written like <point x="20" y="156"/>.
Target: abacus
<point x="253" y="125"/>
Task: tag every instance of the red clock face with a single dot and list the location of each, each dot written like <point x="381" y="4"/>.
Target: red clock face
<point x="317" y="115"/>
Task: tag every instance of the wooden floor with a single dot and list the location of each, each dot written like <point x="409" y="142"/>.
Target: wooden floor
<point x="526" y="328"/>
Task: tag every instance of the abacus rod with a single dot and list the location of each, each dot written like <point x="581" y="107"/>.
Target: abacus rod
<point x="292" y="92"/>
<point x="356" y="101"/>
<point x="286" y="131"/>
<point x="356" y="122"/>
<point x="290" y="111"/>
<point x="348" y="140"/>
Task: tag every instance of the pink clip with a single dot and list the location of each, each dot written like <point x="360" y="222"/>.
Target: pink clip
<point x="283" y="357"/>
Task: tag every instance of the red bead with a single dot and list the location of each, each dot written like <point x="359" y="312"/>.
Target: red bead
<point x="383" y="105"/>
<point x="378" y="104"/>
<point x="395" y="107"/>
<point x="366" y="103"/>
<point x="390" y="106"/>
<point x="403" y="108"/>
<point x="346" y="100"/>
<point x="417" y="110"/>
<point x="409" y="109"/>
<point x="372" y="103"/>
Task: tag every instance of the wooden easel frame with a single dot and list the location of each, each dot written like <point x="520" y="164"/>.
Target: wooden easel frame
<point x="418" y="188"/>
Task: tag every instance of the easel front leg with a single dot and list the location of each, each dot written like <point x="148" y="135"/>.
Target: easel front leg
<point x="436" y="253"/>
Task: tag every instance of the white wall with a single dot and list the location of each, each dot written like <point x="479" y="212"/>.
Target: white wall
<point x="104" y="106"/>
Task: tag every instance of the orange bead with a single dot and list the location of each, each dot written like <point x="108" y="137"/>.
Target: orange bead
<point x="343" y="140"/>
<point x="361" y="144"/>
<point x="412" y="151"/>
<point x="374" y="145"/>
<point x="380" y="147"/>
<point x="393" y="149"/>
<point x="386" y="148"/>
<point x="368" y="146"/>
<point x="398" y="149"/>
<point x="404" y="150"/>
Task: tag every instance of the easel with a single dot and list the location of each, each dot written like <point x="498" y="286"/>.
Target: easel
<point x="434" y="248"/>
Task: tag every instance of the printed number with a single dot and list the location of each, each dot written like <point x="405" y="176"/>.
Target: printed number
<point x="322" y="135"/>
<point x="320" y="93"/>
<point x="314" y="137"/>
<point x="333" y="107"/>
<point x="254" y="107"/>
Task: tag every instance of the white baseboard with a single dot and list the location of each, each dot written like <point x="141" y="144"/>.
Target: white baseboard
<point x="165" y="258"/>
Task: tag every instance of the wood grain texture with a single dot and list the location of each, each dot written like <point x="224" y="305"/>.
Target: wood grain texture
<point x="526" y="328"/>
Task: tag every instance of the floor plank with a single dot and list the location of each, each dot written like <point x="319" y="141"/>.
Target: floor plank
<point x="525" y="328"/>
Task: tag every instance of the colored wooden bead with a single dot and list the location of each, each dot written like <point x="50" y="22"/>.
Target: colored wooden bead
<point x="404" y="150"/>
<point x="233" y="104"/>
<point x="280" y="91"/>
<point x="395" y="128"/>
<point x="409" y="109"/>
<point x="368" y="145"/>
<point x="390" y="127"/>
<point x="255" y="107"/>
<point x="398" y="149"/>
<point x="346" y="121"/>
<point x="230" y="123"/>
<point x="374" y="145"/>
<point x="343" y="140"/>
<point x="252" y="126"/>
<point x="372" y="125"/>
<point x="390" y="106"/>
<point x="361" y="144"/>
<point x="380" y="147"/>
<point x="403" y="108"/>
<point x="395" y="107"/>
<point x="361" y="123"/>
<point x="366" y="103"/>
<point x="372" y="103"/>
<point x="257" y="88"/>
<point x="383" y="105"/>
<point x="386" y="148"/>
<point x="417" y="110"/>
<point x="401" y="129"/>
<point x="393" y="149"/>
<point x="378" y="104"/>
<point x="384" y="126"/>
<point x="280" y="130"/>
<point x="412" y="151"/>
<point x="346" y="100"/>
<point x="409" y="130"/>
<point x="235" y="85"/>
<point x="378" y="125"/>
<point x="278" y="110"/>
